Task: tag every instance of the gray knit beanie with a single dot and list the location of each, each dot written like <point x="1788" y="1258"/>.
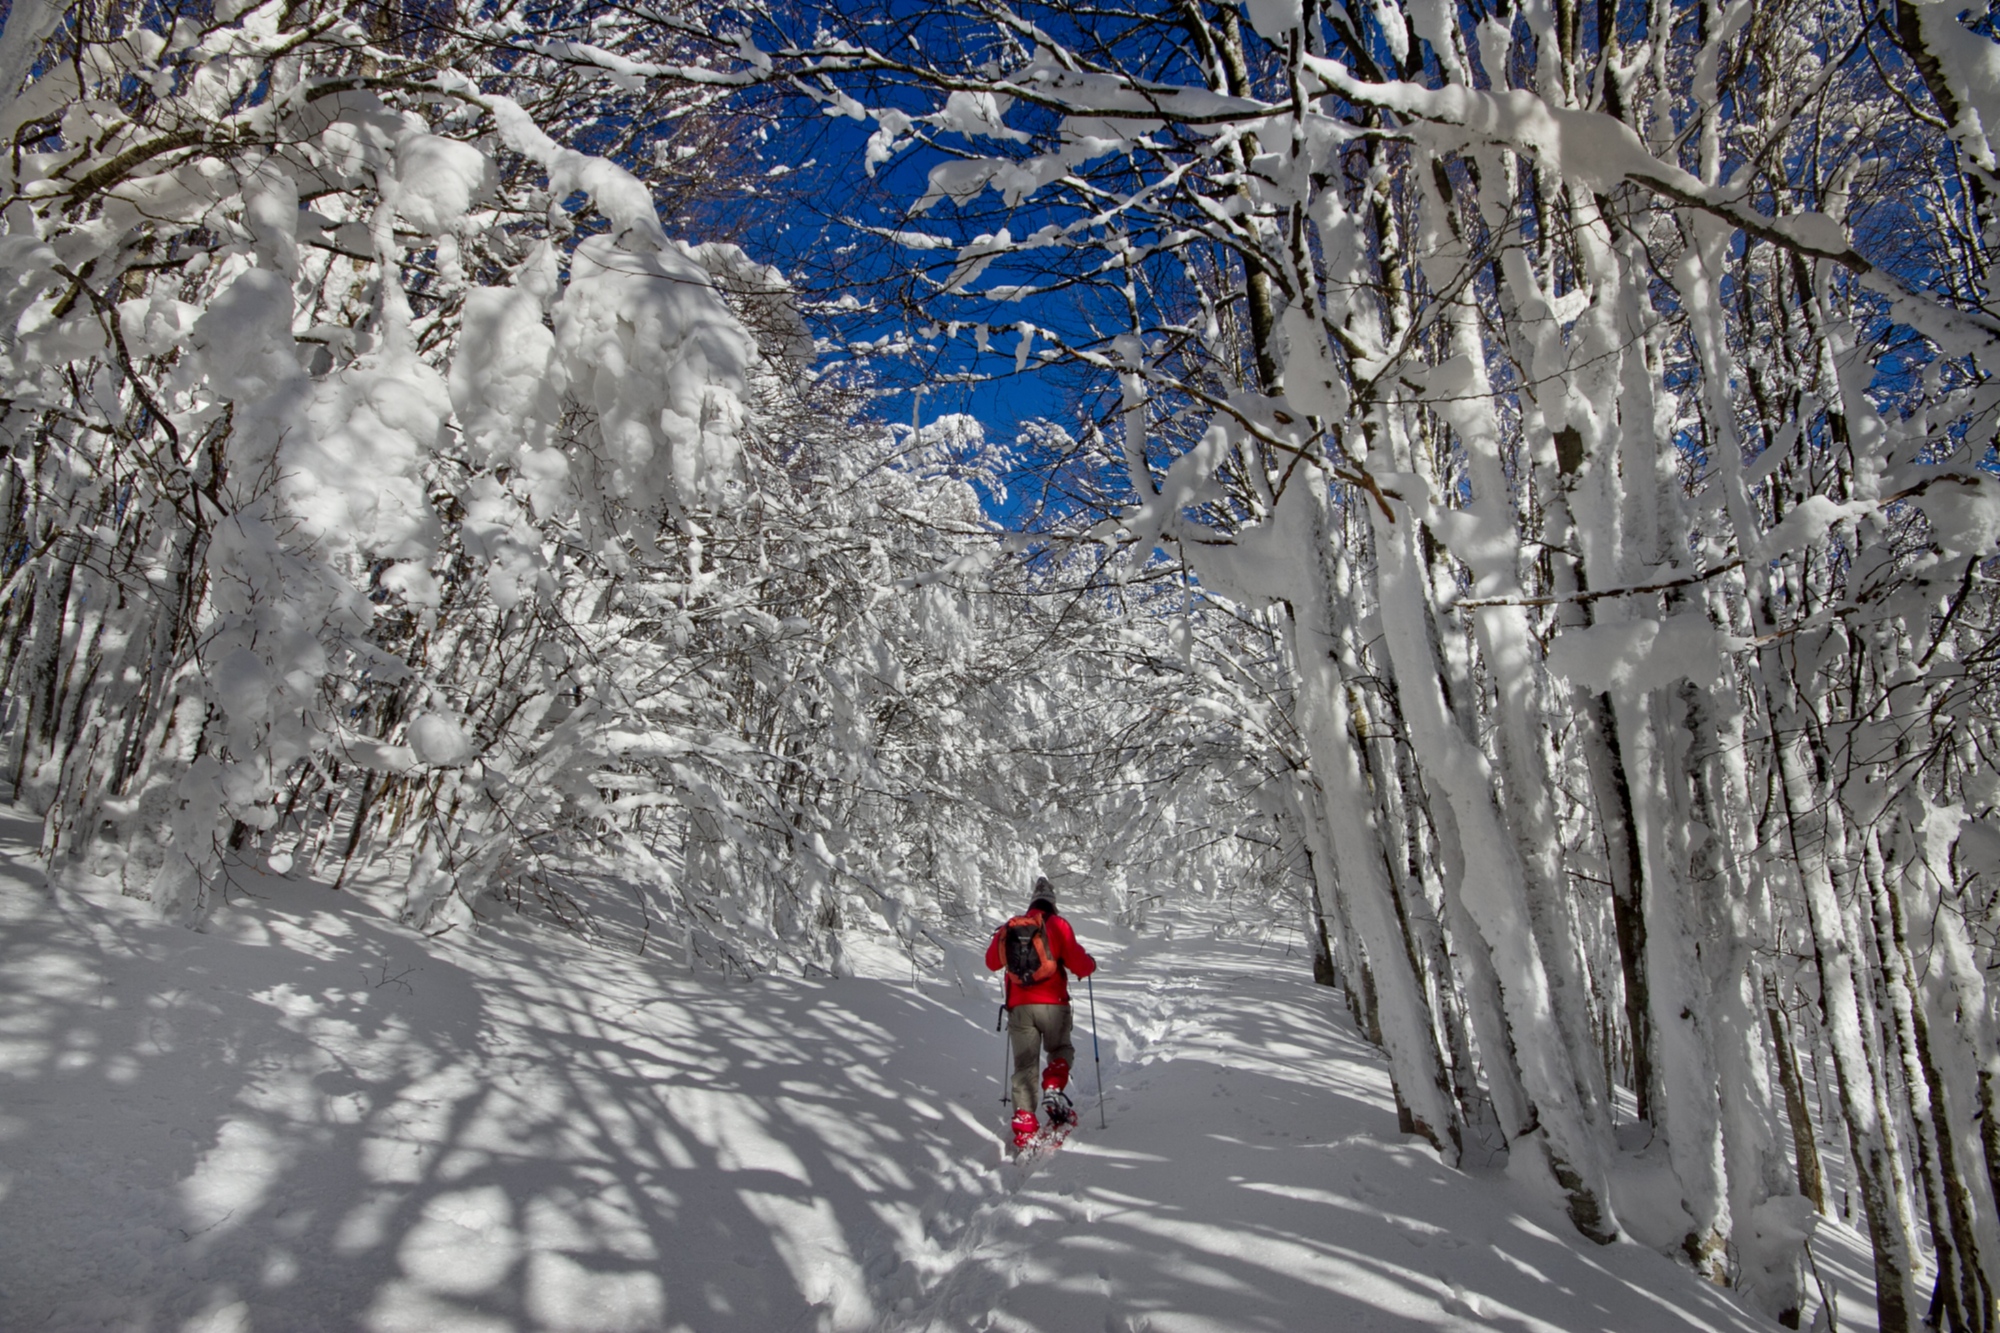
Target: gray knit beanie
<point x="1044" y="895"/>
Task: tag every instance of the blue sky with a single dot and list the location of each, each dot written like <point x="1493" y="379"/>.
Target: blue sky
<point x="813" y="238"/>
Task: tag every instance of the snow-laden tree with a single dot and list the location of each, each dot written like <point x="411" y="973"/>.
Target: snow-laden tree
<point x="363" y="497"/>
<point x="1597" y="401"/>
<point x="387" y="486"/>
<point x="303" y="361"/>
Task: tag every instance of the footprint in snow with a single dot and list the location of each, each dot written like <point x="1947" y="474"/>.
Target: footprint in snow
<point x="1461" y="1302"/>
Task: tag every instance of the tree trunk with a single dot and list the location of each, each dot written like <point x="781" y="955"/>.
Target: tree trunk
<point x="1805" y="1148"/>
<point x="1837" y="958"/>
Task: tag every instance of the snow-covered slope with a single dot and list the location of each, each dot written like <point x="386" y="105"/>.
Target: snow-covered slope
<point x="310" y="1118"/>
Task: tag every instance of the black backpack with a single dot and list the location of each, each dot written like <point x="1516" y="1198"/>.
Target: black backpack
<point x="1029" y="958"/>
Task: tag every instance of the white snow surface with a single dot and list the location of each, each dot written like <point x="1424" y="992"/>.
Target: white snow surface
<point x="309" y="1117"/>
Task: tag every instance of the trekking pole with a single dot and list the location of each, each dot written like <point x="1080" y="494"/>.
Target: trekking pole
<point x="1006" y="1049"/>
<point x="1095" y="1062"/>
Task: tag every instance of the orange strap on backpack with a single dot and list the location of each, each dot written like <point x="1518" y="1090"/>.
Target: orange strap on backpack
<point x="1029" y="958"/>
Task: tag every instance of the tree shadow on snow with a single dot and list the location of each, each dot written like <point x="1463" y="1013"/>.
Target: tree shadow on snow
<point x="308" y="1119"/>
<point x="1253" y="1178"/>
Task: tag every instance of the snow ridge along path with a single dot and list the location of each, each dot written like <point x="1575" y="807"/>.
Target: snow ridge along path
<point x="310" y="1118"/>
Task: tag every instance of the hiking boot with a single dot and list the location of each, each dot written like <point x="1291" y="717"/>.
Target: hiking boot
<point x="1025" y="1128"/>
<point x="1055" y="1075"/>
<point x="1055" y="1105"/>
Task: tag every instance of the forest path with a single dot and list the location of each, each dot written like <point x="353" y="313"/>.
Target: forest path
<point x="1252" y="1177"/>
<point x="307" y="1118"/>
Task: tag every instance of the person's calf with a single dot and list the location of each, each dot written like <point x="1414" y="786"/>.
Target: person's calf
<point x="1056" y="1075"/>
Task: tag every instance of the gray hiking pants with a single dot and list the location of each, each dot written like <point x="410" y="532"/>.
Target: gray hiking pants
<point x="1031" y="1028"/>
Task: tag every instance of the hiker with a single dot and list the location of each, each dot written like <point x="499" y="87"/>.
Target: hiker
<point x="1044" y="954"/>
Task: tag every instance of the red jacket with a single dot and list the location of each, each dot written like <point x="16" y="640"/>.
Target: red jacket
<point x="1070" y="957"/>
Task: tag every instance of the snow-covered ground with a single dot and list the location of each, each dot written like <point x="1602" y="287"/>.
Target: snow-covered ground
<point x="310" y="1118"/>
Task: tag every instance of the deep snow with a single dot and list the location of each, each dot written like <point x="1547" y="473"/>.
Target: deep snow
<point x="309" y="1117"/>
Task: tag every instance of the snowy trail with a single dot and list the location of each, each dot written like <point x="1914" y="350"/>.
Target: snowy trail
<point x="309" y="1118"/>
<point x="1253" y="1178"/>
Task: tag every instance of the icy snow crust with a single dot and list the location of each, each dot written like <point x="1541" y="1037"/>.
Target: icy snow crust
<point x="310" y="1117"/>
